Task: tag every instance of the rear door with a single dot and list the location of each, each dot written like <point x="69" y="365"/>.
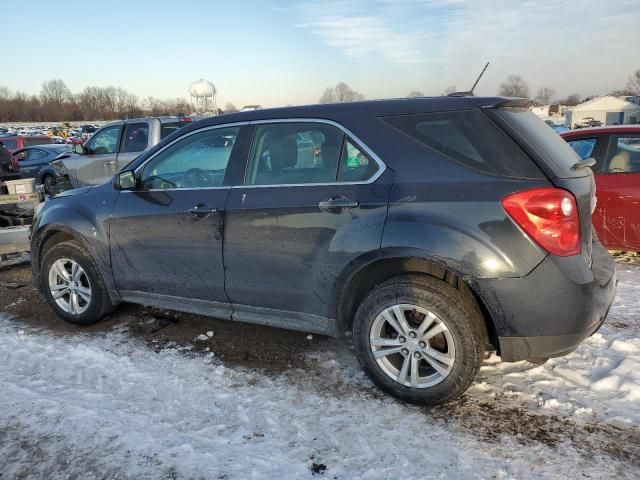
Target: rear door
<point x="618" y="187"/>
<point x="99" y="162"/>
<point x="314" y="199"/>
<point x="31" y="161"/>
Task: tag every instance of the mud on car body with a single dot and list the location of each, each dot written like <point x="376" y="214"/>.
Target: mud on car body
<point x="433" y="229"/>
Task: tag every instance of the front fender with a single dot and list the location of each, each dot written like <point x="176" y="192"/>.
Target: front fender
<point x="85" y="218"/>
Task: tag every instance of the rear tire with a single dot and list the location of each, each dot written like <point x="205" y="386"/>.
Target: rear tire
<point x="72" y="284"/>
<point x="437" y="355"/>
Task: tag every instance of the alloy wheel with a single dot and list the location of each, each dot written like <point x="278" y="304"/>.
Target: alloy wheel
<point x="412" y="345"/>
<point x="69" y="286"/>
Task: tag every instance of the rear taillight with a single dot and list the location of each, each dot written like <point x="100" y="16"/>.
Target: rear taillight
<point x="549" y="216"/>
<point x="15" y="164"/>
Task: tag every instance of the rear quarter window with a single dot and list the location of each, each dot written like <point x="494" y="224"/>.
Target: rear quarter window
<point x="470" y="138"/>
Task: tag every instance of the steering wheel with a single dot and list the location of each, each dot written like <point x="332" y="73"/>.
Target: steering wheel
<point x="196" y="177"/>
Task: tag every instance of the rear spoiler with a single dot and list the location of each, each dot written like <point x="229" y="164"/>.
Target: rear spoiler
<point x="511" y="103"/>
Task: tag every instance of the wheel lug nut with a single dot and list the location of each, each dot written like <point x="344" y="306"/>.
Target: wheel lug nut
<point x="422" y="344"/>
<point x="405" y="351"/>
<point x="416" y="354"/>
<point x="402" y="339"/>
<point x="412" y="334"/>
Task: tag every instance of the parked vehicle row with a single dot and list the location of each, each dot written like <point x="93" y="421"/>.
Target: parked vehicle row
<point x="420" y="225"/>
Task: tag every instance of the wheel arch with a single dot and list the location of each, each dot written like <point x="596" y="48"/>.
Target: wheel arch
<point x="378" y="271"/>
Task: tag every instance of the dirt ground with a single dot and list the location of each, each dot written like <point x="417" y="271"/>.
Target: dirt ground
<point x="254" y="346"/>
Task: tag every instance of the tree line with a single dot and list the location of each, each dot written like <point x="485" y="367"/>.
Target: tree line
<point x="513" y="86"/>
<point x="57" y="103"/>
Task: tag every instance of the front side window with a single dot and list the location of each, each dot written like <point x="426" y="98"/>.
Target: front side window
<point x="196" y="161"/>
<point x="624" y="155"/>
<point x="583" y="147"/>
<point x="305" y="153"/>
<point x="136" y="137"/>
<point x="105" y="141"/>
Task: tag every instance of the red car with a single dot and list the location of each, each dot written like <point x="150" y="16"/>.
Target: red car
<point x="18" y="142"/>
<point x="616" y="150"/>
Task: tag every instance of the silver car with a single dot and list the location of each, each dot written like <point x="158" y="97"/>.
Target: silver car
<point x="110" y="149"/>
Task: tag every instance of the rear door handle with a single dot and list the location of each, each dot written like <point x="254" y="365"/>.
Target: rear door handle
<point x="337" y="204"/>
<point x="201" y="211"/>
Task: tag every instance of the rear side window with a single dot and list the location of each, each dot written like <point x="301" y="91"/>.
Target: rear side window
<point x="136" y="137"/>
<point x="168" y="128"/>
<point x="547" y="144"/>
<point x="470" y="138"/>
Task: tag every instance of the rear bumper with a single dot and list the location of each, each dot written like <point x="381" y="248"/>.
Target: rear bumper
<point x="552" y="310"/>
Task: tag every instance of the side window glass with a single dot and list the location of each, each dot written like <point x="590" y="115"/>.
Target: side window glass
<point x="37" y="154"/>
<point x="583" y="147"/>
<point x="105" y="141"/>
<point x="294" y="153"/>
<point x="623" y="155"/>
<point x="355" y="165"/>
<point x="196" y="161"/>
<point x="22" y="155"/>
<point x="136" y="137"/>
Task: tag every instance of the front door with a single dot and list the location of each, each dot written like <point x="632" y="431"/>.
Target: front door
<point x="166" y="236"/>
<point x="99" y="162"/>
<point x="618" y="192"/>
<point x="313" y="201"/>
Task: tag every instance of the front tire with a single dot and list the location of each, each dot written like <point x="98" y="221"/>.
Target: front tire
<point x="420" y="339"/>
<point x="49" y="182"/>
<point x="72" y="284"/>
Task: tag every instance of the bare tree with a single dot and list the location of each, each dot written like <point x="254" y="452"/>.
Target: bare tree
<point x="415" y="94"/>
<point x="341" y="93"/>
<point x="572" y="100"/>
<point x="544" y="95"/>
<point x="230" y="108"/>
<point x="514" y="86"/>
<point x="449" y="90"/>
<point x="634" y="82"/>
<point x="54" y="92"/>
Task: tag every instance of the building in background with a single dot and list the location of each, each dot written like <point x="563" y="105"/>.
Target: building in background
<point x="607" y="110"/>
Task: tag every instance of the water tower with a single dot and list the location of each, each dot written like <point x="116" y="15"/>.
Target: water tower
<point x="203" y="96"/>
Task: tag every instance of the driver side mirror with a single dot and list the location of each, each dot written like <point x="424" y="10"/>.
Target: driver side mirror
<point x="79" y="149"/>
<point x="125" y="180"/>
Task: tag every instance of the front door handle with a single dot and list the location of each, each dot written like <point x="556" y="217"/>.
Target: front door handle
<point x="201" y="211"/>
<point x="338" y="203"/>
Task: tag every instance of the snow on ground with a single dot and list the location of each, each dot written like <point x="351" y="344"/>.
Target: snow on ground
<point x="600" y="379"/>
<point x="105" y="405"/>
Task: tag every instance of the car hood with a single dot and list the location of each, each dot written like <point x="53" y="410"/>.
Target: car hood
<point x="74" y="192"/>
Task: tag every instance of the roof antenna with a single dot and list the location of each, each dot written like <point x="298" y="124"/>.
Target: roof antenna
<point x="470" y="92"/>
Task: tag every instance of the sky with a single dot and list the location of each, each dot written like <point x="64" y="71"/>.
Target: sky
<point x="277" y="53"/>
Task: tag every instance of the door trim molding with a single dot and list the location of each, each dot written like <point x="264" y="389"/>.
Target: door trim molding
<point x="208" y="308"/>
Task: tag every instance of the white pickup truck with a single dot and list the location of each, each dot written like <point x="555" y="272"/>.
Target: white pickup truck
<point x="111" y="148"/>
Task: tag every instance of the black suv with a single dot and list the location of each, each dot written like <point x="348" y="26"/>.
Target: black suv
<point x="433" y="229"/>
